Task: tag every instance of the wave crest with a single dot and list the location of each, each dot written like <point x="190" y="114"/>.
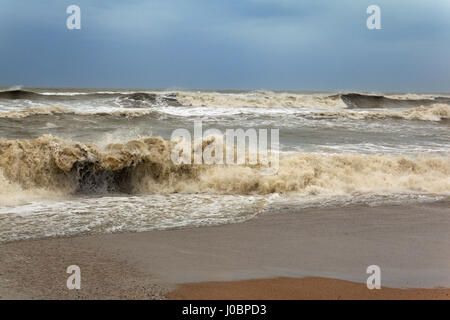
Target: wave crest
<point x="435" y="112"/>
<point x="368" y="101"/>
<point x="258" y="99"/>
<point x="54" y="110"/>
<point x="35" y="111"/>
<point x="144" y="166"/>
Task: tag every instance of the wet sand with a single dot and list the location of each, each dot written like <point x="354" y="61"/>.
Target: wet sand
<point x="308" y="288"/>
<point x="410" y="243"/>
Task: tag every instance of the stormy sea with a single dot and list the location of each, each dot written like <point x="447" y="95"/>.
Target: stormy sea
<point x="92" y="161"/>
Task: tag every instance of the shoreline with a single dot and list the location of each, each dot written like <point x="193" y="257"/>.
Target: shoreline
<point x="410" y="243"/>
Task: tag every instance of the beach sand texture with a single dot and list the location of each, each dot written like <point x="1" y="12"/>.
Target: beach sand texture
<point x="410" y="243"/>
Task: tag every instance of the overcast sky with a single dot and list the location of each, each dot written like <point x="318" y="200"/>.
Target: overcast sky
<point x="227" y="44"/>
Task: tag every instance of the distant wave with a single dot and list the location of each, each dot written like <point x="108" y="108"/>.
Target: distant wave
<point x="141" y="99"/>
<point x="434" y="112"/>
<point x="264" y="99"/>
<point x="131" y="99"/>
<point x="281" y="99"/>
<point x="143" y="166"/>
<point x="364" y="101"/>
<point x="19" y="94"/>
<point x="35" y="112"/>
<point x="24" y="94"/>
<point x="244" y="99"/>
<point x="53" y="110"/>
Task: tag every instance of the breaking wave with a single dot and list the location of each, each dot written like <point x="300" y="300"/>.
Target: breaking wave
<point x="284" y="99"/>
<point x="13" y="193"/>
<point x="35" y="111"/>
<point x="132" y="100"/>
<point x="53" y="110"/>
<point x="258" y="99"/>
<point x="143" y="166"/>
<point x="233" y="99"/>
<point x="434" y="112"/>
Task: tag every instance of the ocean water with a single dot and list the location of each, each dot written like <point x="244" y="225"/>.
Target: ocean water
<point x="86" y="161"/>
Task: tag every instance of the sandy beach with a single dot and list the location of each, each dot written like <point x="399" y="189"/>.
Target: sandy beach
<point x="309" y="288"/>
<point x="307" y="254"/>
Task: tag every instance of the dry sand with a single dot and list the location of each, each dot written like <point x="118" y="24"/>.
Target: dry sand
<point x="411" y="244"/>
